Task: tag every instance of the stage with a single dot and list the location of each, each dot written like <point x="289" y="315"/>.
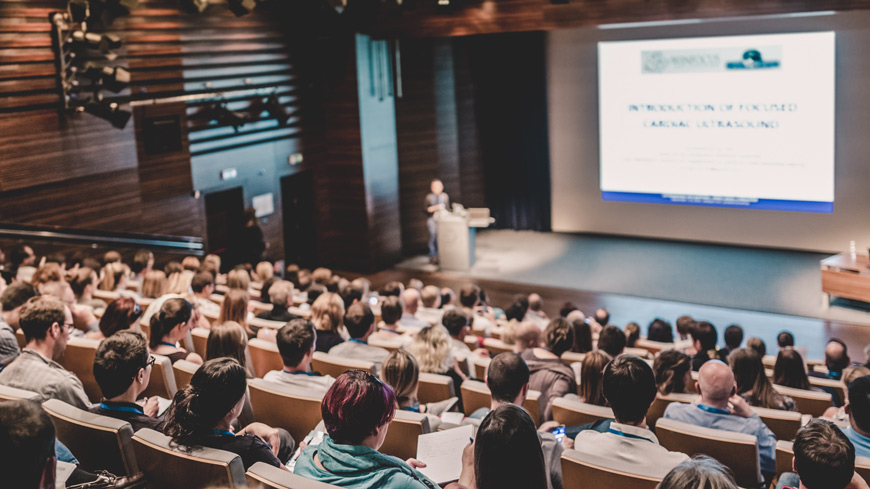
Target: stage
<point x="763" y="290"/>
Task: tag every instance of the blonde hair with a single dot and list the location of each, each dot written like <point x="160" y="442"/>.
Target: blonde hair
<point x="264" y="271"/>
<point x="113" y="273"/>
<point x="179" y="283"/>
<point x="401" y="372"/>
<point x="321" y="275"/>
<point x="327" y="312"/>
<point x="190" y="263"/>
<point x="431" y="347"/>
<point x="280" y="292"/>
<point x="227" y="340"/>
<point x="239" y="279"/>
<point x="235" y="308"/>
<point x="214" y="261"/>
<point x="592" y="378"/>
<point x="154" y="284"/>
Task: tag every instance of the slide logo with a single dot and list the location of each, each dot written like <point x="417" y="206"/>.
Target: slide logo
<point x="751" y="61"/>
<point x="680" y="61"/>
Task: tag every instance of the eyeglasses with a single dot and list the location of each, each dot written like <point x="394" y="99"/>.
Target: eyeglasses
<point x="150" y="361"/>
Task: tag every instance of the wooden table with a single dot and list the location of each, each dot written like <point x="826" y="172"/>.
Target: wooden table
<point x="843" y="276"/>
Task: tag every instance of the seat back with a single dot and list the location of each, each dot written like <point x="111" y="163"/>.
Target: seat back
<point x="784" y="456"/>
<point x="497" y="346"/>
<point x="480" y="366"/>
<point x="264" y="475"/>
<point x="570" y="357"/>
<point x="476" y="395"/>
<point x="783" y="424"/>
<point x="813" y="403"/>
<point x="200" y="339"/>
<point x="183" y="372"/>
<point x="737" y="451"/>
<point x="401" y="439"/>
<point x="862" y="467"/>
<point x="830" y="384"/>
<point x="434" y="388"/>
<point x="390" y="346"/>
<point x="145" y="327"/>
<point x="581" y="471"/>
<point x="264" y="356"/>
<point x="168" y="467"/>
<point x="334" y="365"/>
<point x="573" y="412"/>
<point x="295" y="410"/>
<point x="162" y="379"/>
<point x="266" y="323"/>
<point x="660" y="403"/>
<point x="79" y="359"/>
<point x="654" y="347"/>
<point x="13" y="394"/>
<point x="99" y="442"/>
<point x="20" y="338"/>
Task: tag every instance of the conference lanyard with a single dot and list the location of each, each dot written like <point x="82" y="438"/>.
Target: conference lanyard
<point x="357" y="340"/>
<point x="627" y="435"/>
<point x="173" y="345"/>
<point x="126" y="409"/>
<point x="224" y="432"/>
<point x="714" y="410"/>
<point x="310" y="374"/>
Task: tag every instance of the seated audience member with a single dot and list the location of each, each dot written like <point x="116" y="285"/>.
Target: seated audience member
<point x="536" y="312"/>
<point x="394" y="288"/>
<point x="360" y="324"/>
<point x="11" y="300"/>
<point x="281" y="297"/>
<point x="355" y="291"/>
<point x="549" y="374"/>
<point x="312" y="293"/>
<point x="22" y="261"/>
<point x="154" y="284"/>
<point x="591" y="373"/>
<point x="235" y="308"/>
<point x="402" y="373"/>
<point x="448" y="298"/>
<point x="611" y="340"/>
<point x="601" y="318"/>
<point x="415" y="283"/>
<point x="699" y="472"/>
<point x="704" y="339"/>
<point x="790" y="370"/>
<point x="265" y="287"/>
<point x="84" y="282"/>
<point x="823" y="458"/>
<point x="327" y="314"/>
<point x="27" y="446"/>
<point x="733" y="338"/>
<point x="357" y="411"/>
<point x="430" y="303"/>
<point x="410" y="304"/>
<point x="202" y="285"/>
<point x="721" y="408"/>
<point x="120" y="314"/>
<point x="239" y="278"/>
<point x="321" y="276"/>
<point x="46" y="323"/>
<point x="758" y="345"/>
<point x="202" y="414"/>
<point x="514" y="315"/>
<point x="391" y="312"/>
<point x="629" y="387"/>
<point x="143" y="262"/>
<point x="228" y="340"/>
<point x="858" y="410"/>
<point x="470" y="300"/>
<point x="673" y="371"/>
<point x="567" y="308"/>
<point x="684" y="327"/>
<point x="836" y="360"/>
<point x="296" y="346"/>
<point x="115" y="278"/>
<point x="752" y="383"/>
<point x="660" y="330"/>
<point x="431" y="348"/>
<point x="122" y="369"/>
<point x="49" y="272"/>
<point x="632" y="334"/>
<point x="838" y="414"/>
<point x="506" y="453"/>
<point x="785" y="340"/>
<point x="458" y="326"/>
<point x="582" y="336"/>
<point x="168" y="327"/>
<point x="264" y="271"/>
<point x="527" y="335"/>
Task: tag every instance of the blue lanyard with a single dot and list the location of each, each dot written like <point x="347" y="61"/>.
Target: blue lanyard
<point x="223" y="432"/>
<point x="414" y="409"/>
<point x="357" y="340"/>
<point x="126" y="409"/>
<point x="310" y="374"/>
<point x="714" y="410"/>
<point x="391" y="331"/>
<point x="627" y="435"/>
<point x="173" y="345"/>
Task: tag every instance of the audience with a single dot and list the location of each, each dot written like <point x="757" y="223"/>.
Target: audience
<point x="527" y="335"/>
<point x="858" y="410"/>
<point x="327" y="314"/>
<point x="549" y="374"/>
<point x="281" y="297"/>
<point x="84" y="282"/>
<point x="704" y="342"/>
<point x="535" y="312"/>
<point x="296" y="342"/>
<point x="790" y="370"/>
<point x="202" y="286"/>
<point x="401" y="372"/>
<point x="660" y="330"/>
<point x="235" y="308"/>
<point x="699" y="472"/>
<point x="120" y="314"/>
<point x="431" y="348"/>
<point x="632" y="334"/>
<point x="471" y="302"/>
<point x="228" y="340"/>
<point x="360" y="324"/>
<point x="836" y="360"/>
<point x="733" y="338"/>
<point x="458" y="326"/>
<point x="410" y="304"/>
<point x="27" y="446"/>
<point x="752" y="383"/>
<point x="429" y="310"/>
<point x="154" y="284"/>
<point x="582" y="336"/>
<point x="391" y="312"/>
<point x="168" y="327"/>
<point x="611" y="340"/>
<point x="11" y="301"/>
<point x="239" y="278"/>
<point x="758" y="345"/>
<point x="785" y="340"/>
<point x="673" y="372"/>
<point x="823" y="458"/>
<point x="591" y="374"/>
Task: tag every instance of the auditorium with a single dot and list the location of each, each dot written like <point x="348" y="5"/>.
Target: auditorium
<point x="421" y="244"/>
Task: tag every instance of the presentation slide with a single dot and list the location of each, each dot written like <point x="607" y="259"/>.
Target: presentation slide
<point x="735" y="121"/>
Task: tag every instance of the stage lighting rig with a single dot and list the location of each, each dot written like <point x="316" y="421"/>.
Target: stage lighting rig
<point x="103" y="42"/>
<point x="242" y="7"/>
<point x="114" y="113"/>
<point x="114" y="78"/>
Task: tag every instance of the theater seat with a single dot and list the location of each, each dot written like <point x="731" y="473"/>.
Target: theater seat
<point x="583" y="471"/>
<point x="183" y="372"/>
<point x="813" y="403"/>
<point x="573" y="412"/>
<point x="390" y="346"/>
<point x="654" y="347"/>
<point x="13" y="394"/>
<point x="19" y="336"/>
<point x="79" y="359"/>
<point x="334" y="365"/>
<point x="264" y="356"/>
<point x="282" y="406"/>
<point x="480" y="366"/>
<point x="783" y="424"/>
<point x="168" y="467"/>
<point x="200" y="339"/>
<point x="737" y="451"/>
<point x="570" y="357"/>
<point x="657" y="408"/>
<point x="830" y="384"/>
<point x="476" y="395"/>
<point x="434" y="388"/>
<point x="162" y="379"/>
<point x="401" y="439"/>
<point x="264" y="475"/>
<point x="496" y="346"/>
<point x="98" y="442"/>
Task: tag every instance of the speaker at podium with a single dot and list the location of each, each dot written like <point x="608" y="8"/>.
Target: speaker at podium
<point x="456" y="236"/>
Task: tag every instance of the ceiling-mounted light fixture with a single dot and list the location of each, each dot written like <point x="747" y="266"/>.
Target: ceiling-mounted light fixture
<point x="115" y="114"/>
<point x="114" y="78"/>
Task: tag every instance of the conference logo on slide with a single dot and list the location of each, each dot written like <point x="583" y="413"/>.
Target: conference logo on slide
<point x="709" y="60"/>
<point x="751" y="61"/>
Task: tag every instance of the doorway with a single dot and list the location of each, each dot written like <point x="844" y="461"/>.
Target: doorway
<point x="224" y="213"/>
<point x="300" y="243"/>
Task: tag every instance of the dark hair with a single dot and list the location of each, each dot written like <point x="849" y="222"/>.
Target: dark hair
<point x="507" y="451"/>
<point x="27" y="439"/>
<point x="823" y="456"/>
<point x="295" y="339"/>
<point x="118" y="360"/>
<point x="559" y="336"/>
<point x="454" y="320"/>
<point x="700" y="471"/>
<point x="660" y="330"/>
<point x="859" y="400"/>
<point x="704" y="332"/>
<point x="172" y="313"/>
<point x="629" y="387"/>
<point x="359" y="319"/>
<point x="632" y="334"/>
<point x="213" y="392"/>
<point x="83" y="277"/>
<point x="611" y="340"/>
<point x="568" y="308"/>
<point x="355" y="407"/>
<point x="469" y="294"/>
<point x="393" y="288"/>
<point x="515" y="311"/>
<point x="140" y="260"/>
<point x="684" y="325"/>
<point x="749" y="376"/>
<point x="173" y="267"/>
<point x="670" y="369"/>
<point x="16" y="295"/>
<point x="391" y="310"/>
<point x="119" y="314"/>
<point x="38" y="314"/>
<point x="789" y="370"/>
<point x="733" y="336"/>
<point x="784" y="339"/>
<point x="200" y="281"/>
<point x="352" y="292"/>
<point x="602" y="316"/>
<point x="757" y="344"/>
<point x="838" y="363"/>
<point x="447" y="296"/>
<point x="291" y="274"/>
<point x="18" y="255"/>
<point x="582" y="336"/>
<point x="314" y="291"/>
<point x="506" y="376"/>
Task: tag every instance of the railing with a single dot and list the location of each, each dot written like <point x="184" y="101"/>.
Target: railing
<point x="54" y="234"/>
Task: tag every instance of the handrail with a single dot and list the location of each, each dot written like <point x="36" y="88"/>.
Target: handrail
<point x="155" y="242"/>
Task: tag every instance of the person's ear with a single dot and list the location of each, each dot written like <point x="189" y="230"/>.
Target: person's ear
<point x="733" y="390"/>
<point x="848" y="409"/>
<point x="793" y="466"/>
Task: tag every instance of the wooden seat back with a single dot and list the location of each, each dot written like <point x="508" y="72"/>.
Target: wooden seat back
<point x="297" y="411"/>
<point x="334" y="365"/>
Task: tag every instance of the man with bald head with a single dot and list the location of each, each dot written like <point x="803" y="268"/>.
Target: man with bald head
<point x="528" y="335"/>
<point x="836" y="360"/>
<point x="410" y="304"/>
<point x="720" y="407"/>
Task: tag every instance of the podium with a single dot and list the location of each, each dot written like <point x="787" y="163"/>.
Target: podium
<point x="456" y="237"/>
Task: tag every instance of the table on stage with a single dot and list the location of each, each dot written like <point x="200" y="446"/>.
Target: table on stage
<point x="847" y="277"/>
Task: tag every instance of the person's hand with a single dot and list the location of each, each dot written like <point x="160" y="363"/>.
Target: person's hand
<point x="414" y="463"/>
<point x="267" y="433"/>
<point x="466" y="477"/>
<point x="567" y="443"/>
<point x="739" y="406"/>
<point x="151" y="406"/>
<point x="548" y="426"/>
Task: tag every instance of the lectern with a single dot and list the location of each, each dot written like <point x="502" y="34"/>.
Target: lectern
<point x="456" y="237"/>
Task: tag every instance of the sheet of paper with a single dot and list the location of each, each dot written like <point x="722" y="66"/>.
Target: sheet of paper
<point x="442" y="453"/>
<point x="62" y="473"/>
<point x="162" y="405"/>
<point x="452" y="418"/>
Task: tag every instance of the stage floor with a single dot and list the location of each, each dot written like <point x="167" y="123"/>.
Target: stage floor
<point x="640" y="279"/>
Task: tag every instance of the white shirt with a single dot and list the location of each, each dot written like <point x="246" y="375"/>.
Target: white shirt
<point x="306" y="381"/>
<point x="635" y="447"/>
<point x="430" y="314"/>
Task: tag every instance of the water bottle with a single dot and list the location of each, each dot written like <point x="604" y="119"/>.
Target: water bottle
<point x="852" y="250"/>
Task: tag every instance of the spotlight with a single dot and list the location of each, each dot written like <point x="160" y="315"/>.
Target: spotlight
<point x="445" y="6"/>
<point x="92" y="40"/>
<point x="114" y="78"/>
<point x="108" y="111"/>
<point x="194" y="5"/>
<point x="242" y="7"/>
